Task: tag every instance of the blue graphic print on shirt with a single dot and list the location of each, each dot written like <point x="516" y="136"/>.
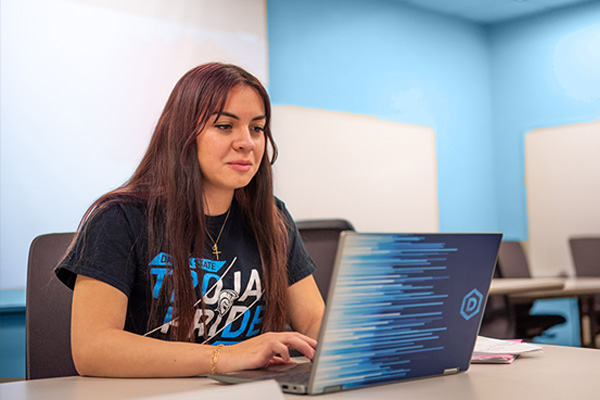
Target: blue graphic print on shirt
<point x="231" y="314"/>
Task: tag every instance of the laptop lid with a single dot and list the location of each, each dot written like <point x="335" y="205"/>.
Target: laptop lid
<point x="402" y="306"/>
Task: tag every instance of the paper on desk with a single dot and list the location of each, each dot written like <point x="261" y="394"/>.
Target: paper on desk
<point x="494" y="359"/>
<point x="488" y="346"/>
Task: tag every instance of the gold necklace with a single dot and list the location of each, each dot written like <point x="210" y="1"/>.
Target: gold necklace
<point x="215" y="248"/>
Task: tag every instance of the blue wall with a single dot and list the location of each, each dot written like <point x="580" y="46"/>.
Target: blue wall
<point x="480" y="87"/>
<point x="12" y="333"/>
<point x="545" y="72"/>
<point x="400" y="64"/>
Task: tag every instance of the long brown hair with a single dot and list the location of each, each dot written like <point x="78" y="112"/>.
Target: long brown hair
<point x="170" y="181"/>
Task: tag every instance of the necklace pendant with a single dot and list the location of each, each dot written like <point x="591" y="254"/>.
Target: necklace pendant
<point x="215" y="248"/>
<point x="215" y="251"/>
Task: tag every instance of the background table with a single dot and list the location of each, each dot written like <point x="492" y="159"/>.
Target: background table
<point x="503" y="286"/>
<point x="572" y="287"/>
<point x="584" y="289"/>
<point x="555" y="373"/>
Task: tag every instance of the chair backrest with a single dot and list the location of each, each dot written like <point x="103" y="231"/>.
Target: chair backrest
<point x="586" y="255"/>
<point x="512" y="262"/>
<point x="48" y="311"/>
<point x="321" y="237"/>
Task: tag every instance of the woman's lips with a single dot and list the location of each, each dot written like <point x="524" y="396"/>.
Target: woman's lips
<point x="240" y="165"/>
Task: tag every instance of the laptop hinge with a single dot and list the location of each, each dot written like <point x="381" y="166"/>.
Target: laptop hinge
<point x="334" y="388"/>
<point x="450" y="371"/>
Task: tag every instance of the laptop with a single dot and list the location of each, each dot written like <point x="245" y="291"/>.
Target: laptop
<point x="400" y="306"/>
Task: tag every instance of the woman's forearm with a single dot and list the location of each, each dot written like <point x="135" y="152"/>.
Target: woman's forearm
<point x="117" y="353"/>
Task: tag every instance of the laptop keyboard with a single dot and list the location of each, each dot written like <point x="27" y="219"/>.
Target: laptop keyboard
<point x="296" y="374"/>
<point x="300" y="378"/>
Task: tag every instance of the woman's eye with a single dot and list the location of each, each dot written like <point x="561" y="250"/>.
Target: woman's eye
<point x="258" y="129"/>
<point x="223" y="127"/>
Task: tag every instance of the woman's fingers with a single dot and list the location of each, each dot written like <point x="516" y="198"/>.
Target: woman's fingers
<point x="276" y="360"/>
<point x="304" y="345"/>
<point x="280" y="348"/>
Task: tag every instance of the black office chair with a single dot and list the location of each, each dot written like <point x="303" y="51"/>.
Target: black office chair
<point x="585" y="252"/>
<point x="321" y="237"/>
<point x="586" y="255"/>
<point x="48" y="311"/>
<point x="512" y="263"/>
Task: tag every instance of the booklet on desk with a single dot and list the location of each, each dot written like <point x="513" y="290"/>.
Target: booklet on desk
<point x="496" y="351"/>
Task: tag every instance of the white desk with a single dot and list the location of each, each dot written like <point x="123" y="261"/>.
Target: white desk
<point x="556" y="373"/>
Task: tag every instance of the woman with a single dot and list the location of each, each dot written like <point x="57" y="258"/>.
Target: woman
<point x="194" y="250"/>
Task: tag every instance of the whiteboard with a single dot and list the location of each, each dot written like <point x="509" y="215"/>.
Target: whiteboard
<point x="83" y="84"/>
<point x="379" y="175"/>
<point x="562" y="175"/>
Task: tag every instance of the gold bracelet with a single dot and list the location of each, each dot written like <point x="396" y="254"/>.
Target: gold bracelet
<point x="214" y="359"/>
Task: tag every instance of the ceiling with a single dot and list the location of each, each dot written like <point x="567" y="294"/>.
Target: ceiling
<point x="491" y="11"/>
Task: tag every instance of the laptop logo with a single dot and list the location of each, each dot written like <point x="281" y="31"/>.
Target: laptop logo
<point x="471" y="304"/>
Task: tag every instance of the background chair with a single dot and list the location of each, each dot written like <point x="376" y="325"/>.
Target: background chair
<point x="586" y="255"/>
<point x="48" y="310"/>
<point x="512" y="263"/>
<point x="585" y="252"/>
<point x="321" y="237"/>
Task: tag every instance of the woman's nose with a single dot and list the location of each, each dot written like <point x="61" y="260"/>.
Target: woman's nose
<point x="244" y="140"/>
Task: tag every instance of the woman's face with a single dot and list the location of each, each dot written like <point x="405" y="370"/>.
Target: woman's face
<point x="231" y="146"/>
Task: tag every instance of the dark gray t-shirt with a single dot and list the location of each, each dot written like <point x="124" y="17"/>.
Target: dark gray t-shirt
<point x="115" y="252"/>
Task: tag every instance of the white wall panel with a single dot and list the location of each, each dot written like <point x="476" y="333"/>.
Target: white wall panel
<point x="562" y="174"/>
<point x="380" y="175"/>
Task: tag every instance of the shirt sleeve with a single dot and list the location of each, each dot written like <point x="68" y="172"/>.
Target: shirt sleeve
<point x="300" y="264"/>
<point x="104" y="250"/>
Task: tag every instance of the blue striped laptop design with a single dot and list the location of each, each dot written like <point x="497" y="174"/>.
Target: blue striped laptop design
<point x="403" y="306"/>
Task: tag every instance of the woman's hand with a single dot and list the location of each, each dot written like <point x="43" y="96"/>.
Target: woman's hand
<point x="266" y="349"/>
